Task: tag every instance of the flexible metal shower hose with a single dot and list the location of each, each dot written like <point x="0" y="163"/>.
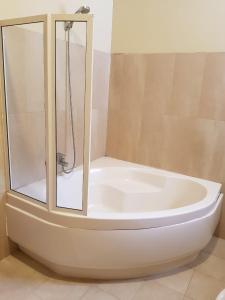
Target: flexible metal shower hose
<point x="68" y="73"/>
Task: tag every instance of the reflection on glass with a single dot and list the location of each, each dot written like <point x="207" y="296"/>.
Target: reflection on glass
<point x="24" y="90"/>
<point x="70" y="93"/>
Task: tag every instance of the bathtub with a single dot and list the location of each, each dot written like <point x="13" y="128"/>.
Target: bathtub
<point x="140" y="221"/>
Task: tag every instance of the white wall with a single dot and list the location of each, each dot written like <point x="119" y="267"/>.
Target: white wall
<point x="154" y="26"/>
<point x="102" y="10"/>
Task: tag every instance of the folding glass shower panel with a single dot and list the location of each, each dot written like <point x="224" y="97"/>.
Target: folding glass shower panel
<point x="24" y="88"/>
<point x="46" y="79"/>
<point x="72" y="98"/>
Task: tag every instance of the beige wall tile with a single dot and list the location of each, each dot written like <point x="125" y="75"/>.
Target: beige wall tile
<point x="216" y="161"/>
<point x="4" y="247"/>
<point x="157" y="76"/>
<point x="98" y="133"/>
<point x="2" y="164"/>
<point x="124" y="134"/>
<point x="149" y="150"/>
<point x="213" y="89"/>
<point x="166" y="110"/>
<point x="187" y="85"/>
<point x="189" y="145"/>
<point x="127" y="72"/>
<point x="101" y="73"/>
<point x="220" y="232"/>
<point x="2" y="217"/>
<point x="113" y="131"/>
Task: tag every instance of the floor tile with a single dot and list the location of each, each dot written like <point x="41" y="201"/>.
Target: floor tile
<point x="204" y="287"/>
<point x="216" y="247"/>
<point x="32" y="264"/>
<point x="124" y="290"/>
<point x="154" y="291"/>
<point x="96" y="293"/>
<point x="212" y="266"/>
<point x="17" y="285"/>
<point x="19" y="295"/>
<point x="61" y="289"/>
<point x="177" y="280"/>
<point x="22" y="278"/>
<point x="14" y="272"/>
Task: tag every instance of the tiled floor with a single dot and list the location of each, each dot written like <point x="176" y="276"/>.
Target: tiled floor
<point x="23" y="278"/>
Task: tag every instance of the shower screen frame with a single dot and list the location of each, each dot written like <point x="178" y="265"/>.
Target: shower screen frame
<point x="4" y="24"/>
<point x="88" y="19"/>
<point x="49" y="36"/>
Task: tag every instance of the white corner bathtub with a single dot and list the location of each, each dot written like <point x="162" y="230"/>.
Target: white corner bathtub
<point x="141" y="220"/>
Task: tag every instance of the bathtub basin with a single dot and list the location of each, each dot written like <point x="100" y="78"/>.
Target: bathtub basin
<point x="140" y="220"/>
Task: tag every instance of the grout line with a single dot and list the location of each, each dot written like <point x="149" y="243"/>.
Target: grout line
<point x="195" y="268"/>
<point x="206" y="274"/>
<point x="189" y="283"/>
<point x="84" y="293"/>
<point x="143" y="282"/>
<point x="108" y="292"/>
<point x="162" y="285"/>
<point x="141" y="285"/>
<point x="171" y="289"/>
<point x="98" y="287"/>
<point x="188" y="297"/>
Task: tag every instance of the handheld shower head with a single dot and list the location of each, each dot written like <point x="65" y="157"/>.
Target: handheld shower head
<point x="82" y="10"/>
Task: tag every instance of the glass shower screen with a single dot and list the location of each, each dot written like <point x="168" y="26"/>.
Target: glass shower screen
<point x="72" y="113"/>
<point x="46" y="79"/>
<point x="23" y="68"/>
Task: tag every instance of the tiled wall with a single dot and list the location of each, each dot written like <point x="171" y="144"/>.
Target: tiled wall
<point x="168" y="111"/>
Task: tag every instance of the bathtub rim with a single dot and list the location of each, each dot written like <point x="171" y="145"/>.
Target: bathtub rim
<point x="75" y="221"/>
<point x="124" y="220"/>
